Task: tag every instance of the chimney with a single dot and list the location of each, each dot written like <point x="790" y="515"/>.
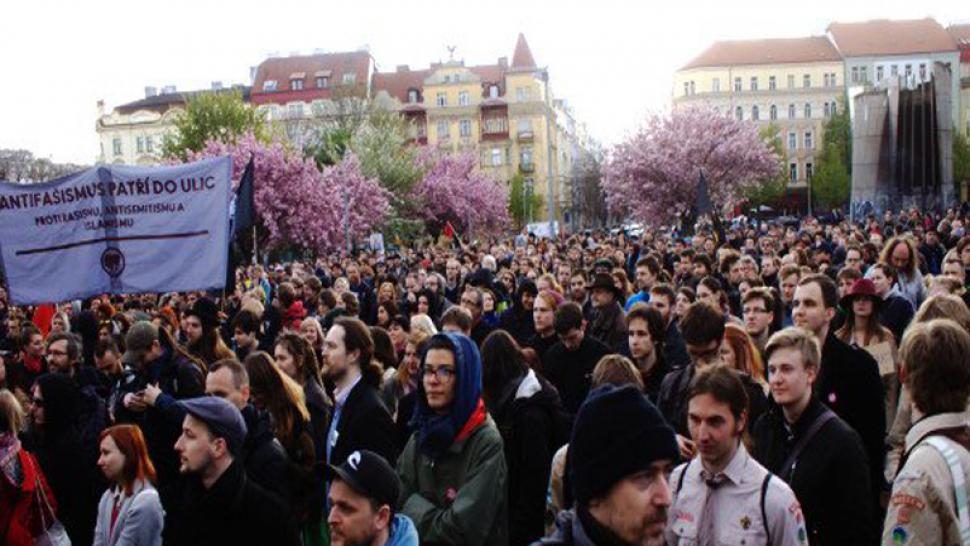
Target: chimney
<point x="503" y="63"/>
<point x="150" y="92"/>
<point x="168" y="90"/>
<point x="217" y="86"/>
<point x="403" y="68"/>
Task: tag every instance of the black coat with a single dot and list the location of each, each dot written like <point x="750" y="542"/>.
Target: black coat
<point x="896" y="313"/>
<point x="234" y="512"/>
<point x="518" y="322"/>
<point x="532" y="429"/>
<point x="849" y="384"/>
<point x="609" y="326"/>
<point x="364" y="424"/>
<point x="542" y="344"/>
<point x="830" y="477"/>
<point x="571" y="372"/>
<point x="675" y="350"/>
<point x="263" y="456"/>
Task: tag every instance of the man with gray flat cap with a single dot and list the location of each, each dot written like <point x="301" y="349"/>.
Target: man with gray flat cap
<point x="214" y="502"/>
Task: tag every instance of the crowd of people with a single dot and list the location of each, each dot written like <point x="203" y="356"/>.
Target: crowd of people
<point x="747" y="383"/>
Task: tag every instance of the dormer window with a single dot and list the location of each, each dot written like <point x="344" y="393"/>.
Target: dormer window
<point x="296" y="85"/>
<point x="349" y="78"/>
<point x="413" y="96"/>
<point x="323" y="82"/>
<point x="269" y="85"/>
<point x="493" y="91"/>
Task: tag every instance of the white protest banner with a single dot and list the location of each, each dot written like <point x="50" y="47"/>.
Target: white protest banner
<point x="117" y="229"/>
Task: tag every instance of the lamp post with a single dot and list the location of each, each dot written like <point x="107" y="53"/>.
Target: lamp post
<point x="543" y="74"/>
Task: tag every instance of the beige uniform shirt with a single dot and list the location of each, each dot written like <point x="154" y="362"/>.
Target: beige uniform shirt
<point x="737" y="509"/>
<point x="922" y="509"/>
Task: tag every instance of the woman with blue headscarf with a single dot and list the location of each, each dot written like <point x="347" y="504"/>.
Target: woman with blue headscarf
<point x="453" y="468"/>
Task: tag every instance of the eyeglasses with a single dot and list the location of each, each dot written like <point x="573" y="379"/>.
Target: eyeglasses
<point x="442" y="374"/>
<point x="56" y="353"/>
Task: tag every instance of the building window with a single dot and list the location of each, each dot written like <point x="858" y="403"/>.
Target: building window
<point x="526" y="157"/>
<point x="808" y="141"/>
<point x="894" y="70"/>
<point x="349" y="78"/>
<point x="773" y="112"/>
<point x="294" y="110"/>
<point x="692" y="87"/>
<point x="791" y="111"/>
<point x="791" y="81"/>
<point x="754" y="113"/>
<point x="825" y="109"/>
<point x="739" y="113"/>
<point x="792" y="141"/>
<point x="116" y="144"/>
<point x="463" y="98"/>
<point x="522" y="94"/>
<point x="412" y="96"/>
<point x="808" y="110"/>
<point x="863" y="74"/>
<point x="496" y="157"/>
<point x="855" y="74"/>
<point x="772" y="84"/>
<point x="879" y="73"/>
<point x="754" y="84"/>
<point x="909" y="71"/>
<point x="323" y="82"/>
<point x="922" y="71"/>
<point x="269" y="85"/>
<point x="806" y="81"/>
<point x="808" y="172"/>
<point x="793" y="172"/>
<point x="493" y="91"/>
<point x="716" y="85"/>
<point x="737" y="84"/>
<point x="296" y="85"/>
<point x="442" y="99"/>
<point x="150" y="144"/>
<point x="140" y="145"/>
<point x="825" y="80"/>
<point x="686" y="89"/>
<point x="524" y="125"/>
<point x="465" y="127"/>
<point x="443" y="130"/>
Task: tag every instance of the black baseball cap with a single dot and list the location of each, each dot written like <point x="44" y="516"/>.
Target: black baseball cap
<point x="370" y="475"/>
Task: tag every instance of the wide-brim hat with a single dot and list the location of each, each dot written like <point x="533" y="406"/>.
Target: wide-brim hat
<point x="604" y="281"/>
<point x="861" y="288"/>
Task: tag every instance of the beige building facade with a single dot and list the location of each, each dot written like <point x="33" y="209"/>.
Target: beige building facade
<point x="794" y="85"/>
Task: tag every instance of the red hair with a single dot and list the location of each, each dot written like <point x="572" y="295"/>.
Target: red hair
<point x="131" y="444"/>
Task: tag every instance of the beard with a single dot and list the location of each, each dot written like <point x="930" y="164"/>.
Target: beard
<point x="364" y="541"/>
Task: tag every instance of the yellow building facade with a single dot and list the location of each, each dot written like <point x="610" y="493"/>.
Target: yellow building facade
<point x="793" y="84"/>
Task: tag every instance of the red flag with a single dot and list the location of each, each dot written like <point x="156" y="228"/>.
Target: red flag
<point x="449" y="231"/>
<point x="43" y="315"/>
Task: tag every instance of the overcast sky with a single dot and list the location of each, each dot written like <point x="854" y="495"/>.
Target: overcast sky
<point x="613" y="60"/>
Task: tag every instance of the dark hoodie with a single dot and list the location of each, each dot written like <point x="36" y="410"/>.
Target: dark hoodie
<point x="69" y="464"/>
<point x="533" y="425"/>
<point x="517" y="320"/>
<point x="453" y="470"/>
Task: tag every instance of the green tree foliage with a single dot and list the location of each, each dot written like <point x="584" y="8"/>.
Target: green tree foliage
<point x="382" y="145"/>
<point x="832" y="181"/>
<point x="521" y="201"/>
<point x="773" y="188"/>
<point x="213" y="116"/>
<point x="961" y="162"/>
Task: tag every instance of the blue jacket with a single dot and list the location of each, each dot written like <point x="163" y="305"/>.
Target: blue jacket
<point x="403" y="532"/>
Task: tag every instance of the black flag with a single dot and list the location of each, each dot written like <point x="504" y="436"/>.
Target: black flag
<point x="245" y="216"/>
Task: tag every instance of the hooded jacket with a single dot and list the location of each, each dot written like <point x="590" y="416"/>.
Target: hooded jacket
<point x="517" y="320"/>
<point x="453" y="469"/>
<point x="533" y="427"/>
<point x="403" y="532"/>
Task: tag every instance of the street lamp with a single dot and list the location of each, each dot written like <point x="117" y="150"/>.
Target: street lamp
<point x="543" y="74"/>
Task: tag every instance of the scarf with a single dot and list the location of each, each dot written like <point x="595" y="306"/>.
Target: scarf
<point x="33" y="364"/>
<point x="10" y="459"/>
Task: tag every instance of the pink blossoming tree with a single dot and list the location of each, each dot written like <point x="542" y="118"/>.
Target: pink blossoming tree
<point x="454" y="190"/>
<point x="298" y="205"/>
<point x="652" y="176"/>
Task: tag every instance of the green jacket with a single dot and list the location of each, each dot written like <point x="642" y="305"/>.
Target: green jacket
<point x="460" y="499"/>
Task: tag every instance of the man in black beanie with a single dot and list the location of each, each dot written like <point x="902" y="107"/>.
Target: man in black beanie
<point x="620" y="455"/>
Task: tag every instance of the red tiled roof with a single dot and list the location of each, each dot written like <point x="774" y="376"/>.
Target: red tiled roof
<point x="884" y="37"/>
<point x="960" y="34"/>
<point x="397" y="84"/>
<point x="281" y="69"/>
<point x="812" y="49"/>
<point x="522" y="58"/>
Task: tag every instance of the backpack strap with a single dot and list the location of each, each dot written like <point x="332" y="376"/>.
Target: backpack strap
<point x="788" y="467"/>
<point x="764" y="512"/>
<point x="680" y="480"/>
<point x="959" y="484"/>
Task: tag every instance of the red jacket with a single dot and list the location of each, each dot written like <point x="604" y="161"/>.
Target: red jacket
<point x="20" y="517"/>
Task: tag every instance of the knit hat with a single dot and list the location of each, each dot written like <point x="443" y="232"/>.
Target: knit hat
<point x="618" y="432"/>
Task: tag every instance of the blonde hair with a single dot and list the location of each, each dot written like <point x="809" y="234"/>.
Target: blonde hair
<point x="423" y="323"/>
<point x="796" y="338"/>
<point x="944" y="306"/>
<point x="616" y="370"/>
<point x="11" y="413"/>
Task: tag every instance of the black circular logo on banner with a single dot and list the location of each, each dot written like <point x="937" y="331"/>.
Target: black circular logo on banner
<point x="113" y="262"/>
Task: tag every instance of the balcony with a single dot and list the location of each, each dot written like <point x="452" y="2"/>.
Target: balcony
<point x="525" y="136"/>
<point x="527" y="168"/>
<point x="495" y="128"/>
